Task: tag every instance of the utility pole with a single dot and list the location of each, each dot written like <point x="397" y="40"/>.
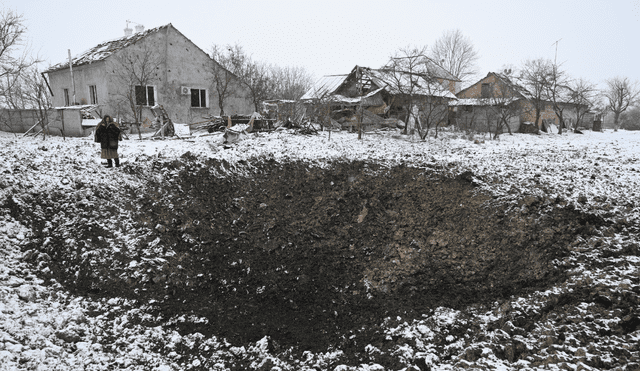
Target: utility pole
<point x="73" y="82"/>
<point x="359" y="115"/>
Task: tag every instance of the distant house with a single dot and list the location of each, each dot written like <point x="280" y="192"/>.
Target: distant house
<point x="383" y="93"/>
<point x="181" y="78"/>
<point x="497" y="97"/>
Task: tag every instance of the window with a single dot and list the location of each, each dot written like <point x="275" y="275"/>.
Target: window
<point x="199" y="98"/>
<point x="65" y="94"/>
<point x="93" y="94"/>
<point x="145" y="96"/>
<point x="486" y="90"/>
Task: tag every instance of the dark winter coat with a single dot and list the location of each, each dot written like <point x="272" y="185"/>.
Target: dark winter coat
<point x="108" y="136"/>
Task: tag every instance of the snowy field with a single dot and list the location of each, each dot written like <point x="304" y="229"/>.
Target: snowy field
<point x="588" y="322"/>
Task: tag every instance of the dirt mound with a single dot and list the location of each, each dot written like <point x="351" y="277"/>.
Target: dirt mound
<point x="313" y="256"/>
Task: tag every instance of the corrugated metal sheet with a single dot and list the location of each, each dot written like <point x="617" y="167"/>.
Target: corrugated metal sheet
<point x="324" y="87"/>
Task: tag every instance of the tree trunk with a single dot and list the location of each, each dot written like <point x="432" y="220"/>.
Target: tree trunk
<point x="507" y="125"/>
<point x="221" y="104"/>
<point x="560" y="124"/>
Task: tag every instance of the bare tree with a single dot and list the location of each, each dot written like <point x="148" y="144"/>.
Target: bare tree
<point x="254" y="76"/>
<point x="533" y="77"/>
<point x="257" y="78"/>
<point x="26" y="91"/>
<point x="455" y="52"/>
<point x="556" y="90"/>
<point x="226" y="66"/>
<point x="18" y="69"/>
<point x="401" y="74"/>
<point x="505" y="103"/>
<point x="416" y="78"/>
<point x="136" y="71"/>
<point x="290" y="82"/>
<point x="630" y="119"/>
<point x="582" y="96"/>
<point x="620" y="93"/>
<point x="14" y="52"/>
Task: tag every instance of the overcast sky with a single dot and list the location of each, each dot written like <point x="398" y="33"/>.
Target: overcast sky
<point x="598" y="39"/>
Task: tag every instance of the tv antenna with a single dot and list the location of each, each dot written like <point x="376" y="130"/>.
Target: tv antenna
<point x="128" y="21"/>
<point x="555" y="59"/>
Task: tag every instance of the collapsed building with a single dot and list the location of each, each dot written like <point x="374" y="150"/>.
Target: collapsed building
<point x="388" y="97"/>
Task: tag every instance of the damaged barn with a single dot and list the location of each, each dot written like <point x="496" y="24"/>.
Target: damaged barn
<point x="389" y="97"/>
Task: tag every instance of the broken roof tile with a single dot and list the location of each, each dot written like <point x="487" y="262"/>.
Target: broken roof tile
<point x="104" y="50"/>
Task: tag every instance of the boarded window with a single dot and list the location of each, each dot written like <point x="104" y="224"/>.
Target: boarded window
<point x="199" y="98"/>
<point x="65" y="94"/>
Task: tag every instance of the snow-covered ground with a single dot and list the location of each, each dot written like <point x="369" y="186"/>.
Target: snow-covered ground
<point x="43" y="327"/>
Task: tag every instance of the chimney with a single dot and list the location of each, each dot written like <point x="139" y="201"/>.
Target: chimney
<point x="128" y="32"/>
<point x="139" y="28"/>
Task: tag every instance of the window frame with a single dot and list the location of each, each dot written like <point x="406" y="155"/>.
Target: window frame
<point x="93" y="94"/>
<point x="65" y="95"/>
<point x="485" y="90"/>
<point x="147" y="102"/>
<point x="202" y="95"/>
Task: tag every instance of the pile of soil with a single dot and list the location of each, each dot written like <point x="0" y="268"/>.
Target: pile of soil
<point x="315" y="257"/>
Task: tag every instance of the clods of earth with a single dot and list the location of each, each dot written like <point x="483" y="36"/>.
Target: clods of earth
<point x="322" y="252"/>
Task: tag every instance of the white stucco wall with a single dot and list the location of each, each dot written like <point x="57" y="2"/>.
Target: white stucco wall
<point x="185" y="65"/>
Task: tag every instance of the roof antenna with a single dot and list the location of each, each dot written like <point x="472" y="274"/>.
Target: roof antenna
<point x="555" y="59"/>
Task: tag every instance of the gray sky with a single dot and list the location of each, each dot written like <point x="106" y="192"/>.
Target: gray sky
<point x="598" y="39"/>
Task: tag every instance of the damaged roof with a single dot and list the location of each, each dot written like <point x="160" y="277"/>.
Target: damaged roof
<point x="515" y="89"/>
<point x="483" y="101"/>
<point x="102" y="51"/>
<point x="393" y="82"/>
<point x="519" y="89"/>
<point x="325" y="86"/>
<point x="399" y="82"/>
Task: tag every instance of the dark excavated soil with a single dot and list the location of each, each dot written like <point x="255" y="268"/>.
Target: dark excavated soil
<point x="317" y="257"/>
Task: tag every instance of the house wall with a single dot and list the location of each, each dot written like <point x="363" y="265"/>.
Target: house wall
<point x="481" y="119"/>
<point x="568" y="114"/>
<point x="20" y="121"/>
<point x="528" y="113"/>
<point x="69" y="120"/>
<point x="475" y="90"/>
<point x="452" y="86"/>
<point x="83" y="76"/>
<point x="190" y="67"/>
<point x="185" y="65"/>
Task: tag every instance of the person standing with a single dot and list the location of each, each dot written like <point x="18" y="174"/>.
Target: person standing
<point x="108" y="134"/>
